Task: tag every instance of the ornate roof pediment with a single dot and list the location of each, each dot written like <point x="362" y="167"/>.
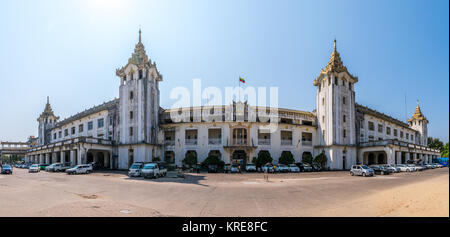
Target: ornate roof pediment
<point x="335" y="66"/>
<point x="140" y="60"/>
<point x="418" y="114"/>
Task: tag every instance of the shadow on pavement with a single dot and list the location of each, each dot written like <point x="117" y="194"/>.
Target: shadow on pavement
<point x="187" y="179"/>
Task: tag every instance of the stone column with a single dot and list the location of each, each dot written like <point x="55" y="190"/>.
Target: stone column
<point x="54" y="157"/>
<point x="407" y="156"/>
<point x="72" y="158"/>
<point x="105" y="159"/>
<point x="81" y="156"/>
<point x="63" y="157"/>
<point x="41" y="158"/>
<point x="47" y="158"/>
<point x="421" y="157"/>
<point x="399" y="157"/>
<point x="110" y="160"/>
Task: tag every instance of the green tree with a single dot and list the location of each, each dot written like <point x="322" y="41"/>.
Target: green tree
<point x="435" y="143"/>
<point x="321" y="159"/>
<point x="444" y="151"/>
<point x="263" y="158"/>
<point x="213" y="160"/>
<point x="286" y="158"/>
<point x="307" y="158"/>
<point x="190" y="160"/>
<point x="156" y="159"/>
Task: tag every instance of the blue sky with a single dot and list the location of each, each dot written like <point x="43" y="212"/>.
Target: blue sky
<point x="69" y="50"/>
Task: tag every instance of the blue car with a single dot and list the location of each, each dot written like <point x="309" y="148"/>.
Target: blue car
<point x="7" y="169"/>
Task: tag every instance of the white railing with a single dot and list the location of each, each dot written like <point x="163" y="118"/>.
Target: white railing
<point x="286" y="142"/>
<point x="169" y="142"/>
<point x="307" y="143"/>
<point x="190" y="141"/>
<point x="214" y="141"/>
<point x="263" y="141"/>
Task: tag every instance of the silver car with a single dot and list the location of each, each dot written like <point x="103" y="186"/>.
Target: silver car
<point x="250" y="167"/>
<point x="361" y="170"/>
<point x="392" y="168"/>
<point x="294" y="168"/>
<point x="34" y="168"/>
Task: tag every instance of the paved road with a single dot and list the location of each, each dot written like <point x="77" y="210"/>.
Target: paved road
<point x="114" y="194"/>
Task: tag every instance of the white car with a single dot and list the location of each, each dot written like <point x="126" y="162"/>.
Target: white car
<point x="79" y="169"/>
<point x="294" y="168"/>
<point x="234" y="169"/>
<point x="405" y="168"/>
<point x="250" y="167"/>
<point x="438" y="165"/>
<point x="34" y="168"/>
<point x="282" y="168"/>
<point x="414" y="167"/>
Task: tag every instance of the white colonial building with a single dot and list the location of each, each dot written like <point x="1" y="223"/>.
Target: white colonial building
<point x="135" y="127"/>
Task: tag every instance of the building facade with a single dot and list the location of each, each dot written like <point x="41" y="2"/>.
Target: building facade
<point x="135" y="128"/>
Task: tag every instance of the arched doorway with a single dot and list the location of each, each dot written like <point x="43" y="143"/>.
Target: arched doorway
<point x="169" y="157"/>
<point x="89" y="157"/>
<point x="381" y="158"/>
<point x="307" y="157"/>
<point x="130" y="157"/>
<point x="371" y="159"/>
<point x="239" y="157"/>
<point x="100" y="159"/>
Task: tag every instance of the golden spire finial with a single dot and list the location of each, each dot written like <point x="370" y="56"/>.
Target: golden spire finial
<point x="48" y="100"/>
<point x="139" y="34"/>
<point x="334" y="44"/>
<point x="417" y="102"/>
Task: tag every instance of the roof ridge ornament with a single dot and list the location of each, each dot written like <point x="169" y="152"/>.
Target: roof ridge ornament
<point x="418" y="114"/>
<point x="139" y="55"/>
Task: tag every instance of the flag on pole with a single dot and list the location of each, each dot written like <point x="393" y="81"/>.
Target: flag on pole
<point x="241" y="80"/>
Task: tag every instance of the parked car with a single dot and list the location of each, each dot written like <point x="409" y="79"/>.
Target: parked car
<point x="307" y="168"/>
<point x="7" y="169"/>
<point x="316" y="167"/>
<point x="58" y="167"/>
<point x="392" y="168"/>
<point x="438" y="165"/>
<point x="300" y="166"/>
<point x="212" y="168"/>
<point x="227" y="168"/>
<point x="282" y="168"/>
<point x="79" y="169"/>
<point x="267" y="168"/>
<point x="234" y="168"/>
<point x="294" y="168"/>
<point x="250" y="167"/>
<point x="378" y="169"/>
<point x="153" y="170"/>
<point x="428" y="166"/>
<point x="433" y="166"/>
<point x="405" y="168"/>
<point x="34" y="168"/>
<point x="94" y="165"/>
<point x="361" y="170"/>
<point x="419" y="167"/>
<point x="43" y="166"/>
<point x="414" y="168"/>
<point x="135" y="169"/>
